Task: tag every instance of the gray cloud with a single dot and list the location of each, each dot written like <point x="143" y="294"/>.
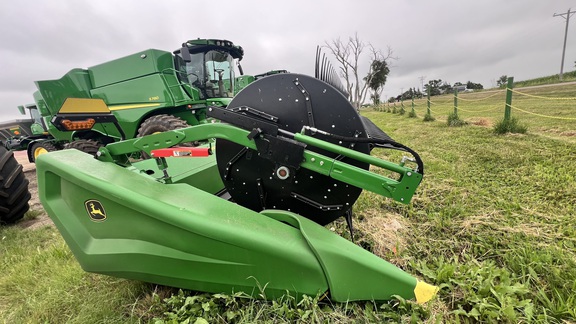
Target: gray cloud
<point x="452" y="41"/>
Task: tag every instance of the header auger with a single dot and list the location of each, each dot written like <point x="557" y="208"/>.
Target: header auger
<point x="290" y="154"/>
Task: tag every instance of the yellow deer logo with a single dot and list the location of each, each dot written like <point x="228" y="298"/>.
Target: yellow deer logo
<point x="95" y="210"/>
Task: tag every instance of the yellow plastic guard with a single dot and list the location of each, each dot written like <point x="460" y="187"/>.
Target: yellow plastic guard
<point x="84" y="106"/>
<point x="122" y="107"/>
<point x="424" y="292"/>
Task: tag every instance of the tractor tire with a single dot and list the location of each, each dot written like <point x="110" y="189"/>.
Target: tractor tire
<point x="14" y="194"/>
<point x="39" y="148"/>
<point x="85" y="145"/>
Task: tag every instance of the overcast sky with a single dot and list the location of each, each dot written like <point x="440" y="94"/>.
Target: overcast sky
<point x="456" y="41"/>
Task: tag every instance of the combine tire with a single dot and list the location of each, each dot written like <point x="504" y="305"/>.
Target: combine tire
<point x="14" y="194"/>
<point x="160" y="123"/>
<point x="39" y="148"/>
<point x="87" y="146"/>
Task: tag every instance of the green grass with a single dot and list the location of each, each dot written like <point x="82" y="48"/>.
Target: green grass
<point x="566" y="77"/>
<point x="492" y="224"/>
<point x="505" y="203"/>
<point x="32" y="214"/>
<point x="41" y="282"/>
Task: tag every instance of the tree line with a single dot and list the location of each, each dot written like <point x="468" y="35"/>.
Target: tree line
<point x="363" y="77"/>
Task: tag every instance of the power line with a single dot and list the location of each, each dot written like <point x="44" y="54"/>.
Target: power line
<point x="566" y="16"/>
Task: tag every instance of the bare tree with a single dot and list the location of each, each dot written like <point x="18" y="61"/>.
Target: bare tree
<point x="349" y="57"/>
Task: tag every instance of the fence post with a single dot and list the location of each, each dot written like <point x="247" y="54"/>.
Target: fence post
<point x="509" y="87"/>
<point x="428" y="102"/>
<point x="413" y="112"/>
<point x="456" y="102"/>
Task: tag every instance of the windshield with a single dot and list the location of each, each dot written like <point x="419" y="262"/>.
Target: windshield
<point x="219" y="74"/>
<point x="35" y="114"/>
<point x="212" y="73"/>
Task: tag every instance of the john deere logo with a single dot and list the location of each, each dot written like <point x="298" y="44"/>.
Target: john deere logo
<point x="95" y="210"/>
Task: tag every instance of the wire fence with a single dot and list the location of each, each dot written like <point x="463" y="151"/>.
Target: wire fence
<point x="542" y="107"/>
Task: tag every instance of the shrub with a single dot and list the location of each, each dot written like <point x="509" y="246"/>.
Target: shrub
<point x="455" y="121"/>
<point x="511" y="125"/>
<point x="428" y="117"/>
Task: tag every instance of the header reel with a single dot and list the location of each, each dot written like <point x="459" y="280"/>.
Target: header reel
<point x="274" y="109"/>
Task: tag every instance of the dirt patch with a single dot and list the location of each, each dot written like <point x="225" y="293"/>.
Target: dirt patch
<point x="568" y="133"/>
<point x="479" y="121"/>
<point x="39" y="216"/>
<point x="387" y="233"/>
<point x="22" y="158"/>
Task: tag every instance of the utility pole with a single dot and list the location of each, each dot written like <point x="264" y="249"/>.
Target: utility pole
<point x="567" y="17"/>
<point x="422" y="82"/>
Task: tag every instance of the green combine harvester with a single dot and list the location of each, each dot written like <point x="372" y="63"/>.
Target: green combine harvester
<point x="20" y="133"/>
<point x="245" y="210"/>
<point x="147" y="92"/>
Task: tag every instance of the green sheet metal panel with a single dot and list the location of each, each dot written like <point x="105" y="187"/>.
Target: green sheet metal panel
<point x="145" y="91"/>
<point x="199" y="172"/>
<point x="74" y="84"/>
<point x="175" y="235"/>
<point x="129" y="67"/>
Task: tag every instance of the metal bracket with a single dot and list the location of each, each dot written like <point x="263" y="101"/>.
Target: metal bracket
<point x="307" y="99"/>
<point x="232" y="161"/>
<point x="280" y="150"/>
<point x="241" y="120"/>
<point x="163" y="166"/>
<point x="261" y="193"/>
<point x="254" y="112"/>
<point x="314" y="203"/>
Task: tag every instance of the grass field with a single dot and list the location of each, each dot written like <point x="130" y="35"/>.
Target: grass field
<point x="492" y="225"/>
<point x="546" y="110"/>
<point x="552" y="79"/>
